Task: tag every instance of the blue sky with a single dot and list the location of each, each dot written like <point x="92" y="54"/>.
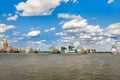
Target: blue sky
<point x="38" y="23"/>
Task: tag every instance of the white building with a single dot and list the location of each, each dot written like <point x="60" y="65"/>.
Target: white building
<point x="29" y="49"/>
<point x="1" y="45"/>
<point x="114" y="50"/>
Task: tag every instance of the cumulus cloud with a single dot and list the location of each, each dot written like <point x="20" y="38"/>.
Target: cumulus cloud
<point x="113" y="29"/>
<point x="79" y="26"/>
<point x="51" y="29"/>
<point x="109" y="40"/>
<point x="110" y="1"/>
<point x="14" y="18"/>
<point x="75" y="23"/>
<point x="38" y="7"/>
<point x="4" y="27"/>
<point x="68" y="16"/>
<point x="67" y="39"/>
<point x="76" y="44"/>
<point x="60" y="34"/>
<point x="82" y="31"/>
<point x="34" y="33"/>
<point x="85" y="37"/>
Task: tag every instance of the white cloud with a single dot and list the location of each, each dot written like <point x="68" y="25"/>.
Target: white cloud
<point x="10" y="14"/>
<point x="68" y="16"/>
<point x="75" y="23"/>
<point x="38" y="44"/>
<point x="79" y="25"/>
<point x="14" y="18"/>
<point x="38" y="7"/>
<point x="43" y="40"/>
<point x="1" y="35"/>
<point x="16" y="40"/>
<point x="85" y="37"/>
<point x="97" y="38"/>
<point x="60" y="34"/>
<point x="32" y="28"/>
<point x="110" y="1"/>
<point x="113" y="29"/>
<point x="109" y="40"/>
<point x="67" y="39"/>
<point x="34" y="34"/>
<point x="62" y="22"/>
<point x="70" y="0"/>
<point x="51" y="29"/>
<point x="93" y="28"/>
<point x="4" y="27"/>
<point x="83" y="32"/>
<point x="76" y="44"/>
<point x="15" y="33"/>
<point x="65" y="1"/>
<point x="47" y="30"/>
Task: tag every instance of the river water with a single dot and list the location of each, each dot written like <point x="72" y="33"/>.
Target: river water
<point x="59" y="67"/>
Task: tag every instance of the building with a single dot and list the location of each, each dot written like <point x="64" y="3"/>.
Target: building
<point x="11" y="50"/>
<point x="63" y="49"/>
<point x="29" y="50"/>
<point x="114" y="50"/>
<point x="3" y="46"/>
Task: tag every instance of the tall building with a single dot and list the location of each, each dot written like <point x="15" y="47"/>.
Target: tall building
<point x="3" y="46"/>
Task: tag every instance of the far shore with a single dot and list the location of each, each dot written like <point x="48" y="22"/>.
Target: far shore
<point x="61" y="53"/>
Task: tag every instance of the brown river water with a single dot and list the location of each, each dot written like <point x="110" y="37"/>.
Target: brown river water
<point x="59" y="67"/>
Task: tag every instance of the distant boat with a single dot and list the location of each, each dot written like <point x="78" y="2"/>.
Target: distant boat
<point x="114" y="50"/>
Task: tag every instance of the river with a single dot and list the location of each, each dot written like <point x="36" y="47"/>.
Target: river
<point x="59" y="67"/>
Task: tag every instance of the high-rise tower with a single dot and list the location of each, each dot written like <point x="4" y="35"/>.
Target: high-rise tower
<point x="5" y="45"/>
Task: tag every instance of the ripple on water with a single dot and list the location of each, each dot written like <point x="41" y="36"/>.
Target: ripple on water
<point x="59" y="67"/>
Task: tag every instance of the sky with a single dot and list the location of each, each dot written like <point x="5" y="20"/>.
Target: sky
<point x="42" y="23"/>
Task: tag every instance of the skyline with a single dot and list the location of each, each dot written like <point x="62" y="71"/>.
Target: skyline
<point x="60" y="22"/>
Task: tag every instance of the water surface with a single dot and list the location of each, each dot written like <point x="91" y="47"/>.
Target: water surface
<point x="59" y="67"/>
